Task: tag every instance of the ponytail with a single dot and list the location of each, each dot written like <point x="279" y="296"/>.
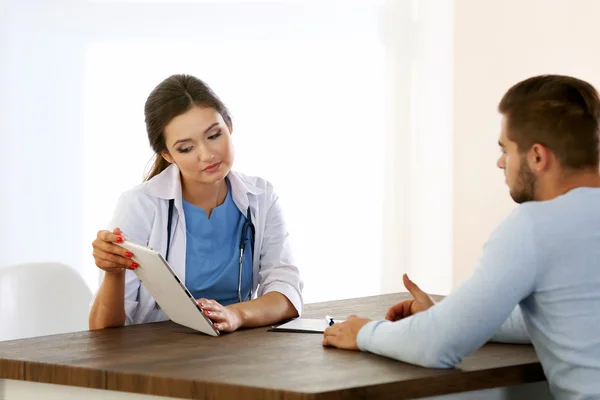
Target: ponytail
<point x="160" y="164"/>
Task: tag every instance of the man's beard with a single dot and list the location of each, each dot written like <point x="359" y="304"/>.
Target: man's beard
<point x="524" y="190"/>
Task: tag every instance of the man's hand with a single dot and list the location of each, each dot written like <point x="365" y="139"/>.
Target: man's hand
<point x="421" y="301"/>
<point x="344" y="334"/>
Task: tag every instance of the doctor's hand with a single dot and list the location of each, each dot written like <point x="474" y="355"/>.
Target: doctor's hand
<point x="421" y="301"/>
<point x="225" y="319"/>
<point x="343" y="335"/>
<point x="110" y="257"/>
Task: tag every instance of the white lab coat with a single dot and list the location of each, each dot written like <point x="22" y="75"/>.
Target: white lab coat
<point x="142" y="214"/>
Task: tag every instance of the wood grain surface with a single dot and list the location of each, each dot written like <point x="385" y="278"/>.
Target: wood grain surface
<point x="170" y="360"/>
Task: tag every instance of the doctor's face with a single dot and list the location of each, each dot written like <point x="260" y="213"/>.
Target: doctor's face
<point x="199" y="142"/>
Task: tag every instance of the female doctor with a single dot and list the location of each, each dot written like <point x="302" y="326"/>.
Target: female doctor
<point x="222" y="232"/>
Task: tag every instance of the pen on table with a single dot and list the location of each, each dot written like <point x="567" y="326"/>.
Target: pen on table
<point x="329" y="320"/>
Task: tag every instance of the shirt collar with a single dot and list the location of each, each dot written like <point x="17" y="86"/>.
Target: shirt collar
<point x="167" y="185"/>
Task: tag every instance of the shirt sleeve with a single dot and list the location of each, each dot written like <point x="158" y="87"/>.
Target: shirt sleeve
<point x="278" y="272"/>
<point x="136" y="223"/>
<point x="513" y="330"/>
<point x="447" y="332"/>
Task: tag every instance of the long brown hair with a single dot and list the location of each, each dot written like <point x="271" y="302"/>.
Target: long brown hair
<point x="172" y="97"/>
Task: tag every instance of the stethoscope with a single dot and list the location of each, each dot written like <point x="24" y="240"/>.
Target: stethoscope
<point x="247" y="226"/>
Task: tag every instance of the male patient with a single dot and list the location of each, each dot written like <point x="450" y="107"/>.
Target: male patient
<point x="538" y="278"/>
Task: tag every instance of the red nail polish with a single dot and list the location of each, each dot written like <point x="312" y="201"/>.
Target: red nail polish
<point x="119" y="239"/>
<point x="134" y="264"/>
<point x="208" y="312"/>
<point x="201" y="305"/>
<point x="128" y="254"/>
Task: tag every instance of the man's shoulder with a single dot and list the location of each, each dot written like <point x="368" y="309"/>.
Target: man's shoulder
<point x="564" y="214"/>
<point x="517" y="225"/>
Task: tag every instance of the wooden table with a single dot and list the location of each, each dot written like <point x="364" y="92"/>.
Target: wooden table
<point x="169" y="360"/>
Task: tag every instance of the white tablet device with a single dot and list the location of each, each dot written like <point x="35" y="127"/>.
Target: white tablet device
<point x="167" y="290"/>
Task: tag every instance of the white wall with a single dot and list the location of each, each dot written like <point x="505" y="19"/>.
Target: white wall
<point x="77" y="73"/>
<point x="417" y="236"/>
<point x="40" y="174"/>
<point x="447" y="65"/>
<point x="305" y="82"/>
<point x="497" y="44"/>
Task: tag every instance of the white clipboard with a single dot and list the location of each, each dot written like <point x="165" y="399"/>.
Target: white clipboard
<point x="303" y="325"/>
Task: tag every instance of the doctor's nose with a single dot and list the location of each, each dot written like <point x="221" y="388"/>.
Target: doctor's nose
<point x="203" y="154"/>
<point x="206" y="157"/>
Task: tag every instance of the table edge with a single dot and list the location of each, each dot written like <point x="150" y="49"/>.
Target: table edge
<point x="454" y="382"/>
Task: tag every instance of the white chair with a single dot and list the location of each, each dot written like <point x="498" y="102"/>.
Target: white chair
<point x="38" y="299"/>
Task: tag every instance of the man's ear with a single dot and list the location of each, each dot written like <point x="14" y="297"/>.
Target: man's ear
<point x="539" y="158"/>
<point x="167" y="156"/>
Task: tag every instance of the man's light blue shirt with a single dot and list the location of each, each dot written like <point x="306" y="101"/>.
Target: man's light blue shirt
<point x="538" y="280"/>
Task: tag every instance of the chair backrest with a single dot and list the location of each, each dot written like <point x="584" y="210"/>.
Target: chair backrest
<point x="38" y="299"/>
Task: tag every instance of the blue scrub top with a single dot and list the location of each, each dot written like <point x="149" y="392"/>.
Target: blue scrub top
<point x="213" y="252"/>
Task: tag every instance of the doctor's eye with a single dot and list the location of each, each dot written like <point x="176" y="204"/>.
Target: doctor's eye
<point x="185" y="149"/>
<point x="216" y="135"/>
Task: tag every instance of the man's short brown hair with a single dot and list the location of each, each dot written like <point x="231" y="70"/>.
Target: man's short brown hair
<point x="559" y="112"/>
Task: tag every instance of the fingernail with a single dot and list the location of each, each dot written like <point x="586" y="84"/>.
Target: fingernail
<point x="119" y="239"/>
<point x="134" y="264"/>
<point x="208" y="312"/>
<point x="201" y="305"/>
<point x="128" y="254"/>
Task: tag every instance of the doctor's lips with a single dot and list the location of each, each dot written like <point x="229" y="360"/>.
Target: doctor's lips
<point x="212" y="167"/>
